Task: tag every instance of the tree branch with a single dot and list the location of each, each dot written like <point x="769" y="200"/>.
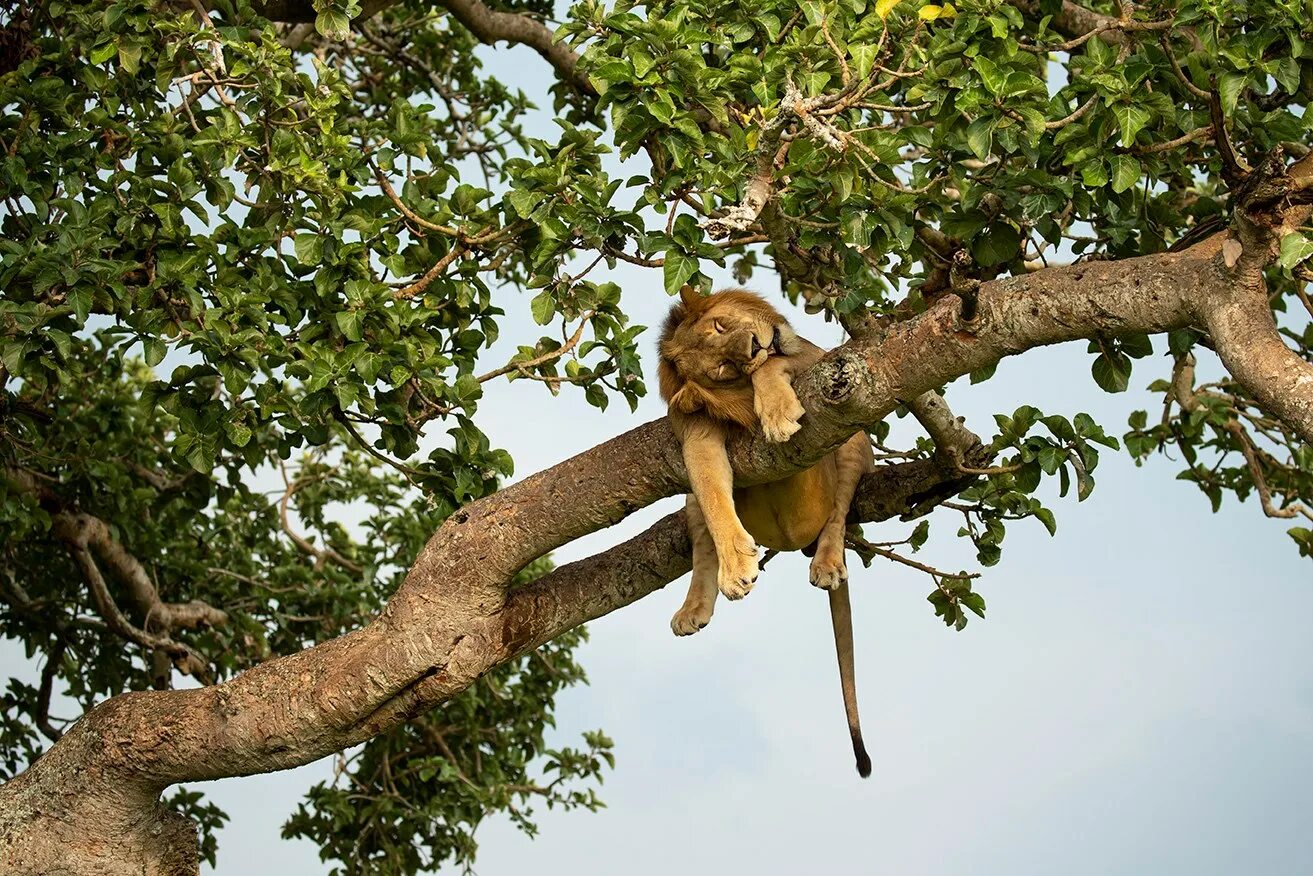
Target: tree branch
<point x="953" y="440"/>
<point x="85" y="535"/>
<point x="491" y="27"/>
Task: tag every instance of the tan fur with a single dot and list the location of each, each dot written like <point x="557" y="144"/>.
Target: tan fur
<point x="727" y="363"/>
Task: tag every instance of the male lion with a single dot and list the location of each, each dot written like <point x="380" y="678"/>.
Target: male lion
<point x="727" y="362"/>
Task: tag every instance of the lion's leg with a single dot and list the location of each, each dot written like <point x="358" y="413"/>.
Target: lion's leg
<point x="774" y="401"/>
<point x="702" y="592"/>
<point x="712" y="482"/>
<point x="852" y="460"/>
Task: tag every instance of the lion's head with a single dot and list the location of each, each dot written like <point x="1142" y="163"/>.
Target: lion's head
<point x="711" y="345"/>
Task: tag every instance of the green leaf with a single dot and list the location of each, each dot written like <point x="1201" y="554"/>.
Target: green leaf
<point x="1112" y="372"/>
<point x="130" y="58"/>
<point x="980" y="375"/>
<point x="994" y="77"/>
<point x="678" y="270"/>
<point x="1229" y="88"/>
<point x="980" y="137"/>
<point x="998" y="244"/>
<point x="1131" y="119"/>
<point x="309" y="248"/>
<point x="101" y="54"/>
<point x="1295" y="248"/>
<point x="1125" y="172"/>
<point x="348" y="322"/>
<point x="238" y="434"/>
<point x="543" y="307"/>
<point x="1137" y="346"/>
<point x="863" y="59"/>
<point x="154" y="349"/>
<point x="596" y="396"/>
<point x="1094" y="174"/>
<point x="333" y="24"/>
<point x="1046" y="517"/>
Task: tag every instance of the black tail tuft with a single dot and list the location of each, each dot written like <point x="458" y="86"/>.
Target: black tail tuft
<point x="863" y="759"/>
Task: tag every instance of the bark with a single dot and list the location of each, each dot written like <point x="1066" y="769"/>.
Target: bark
<point x="90" y="804"/>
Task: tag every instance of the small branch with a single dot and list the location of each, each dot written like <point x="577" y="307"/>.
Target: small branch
<point x="410" y="214"/>
<point x="953" y="440"/>
<point x="866" y="549"/>
<point x="184" y="658"/>
<point x="1075" y="116"/>
<point x="1233" y="168"/>
<point x="529" y="364"/>
<point x="54" y="657"/>
<point x="321" y="555"/>
<point x="1169" y="145"/>
<point x="418" y="287"/>
<point x="1259" y="479"/>
<point x="1164" y="39"/>
<point x="406" y="471"/>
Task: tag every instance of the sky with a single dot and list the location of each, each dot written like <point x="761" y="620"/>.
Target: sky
<point x="1138" y="699"/>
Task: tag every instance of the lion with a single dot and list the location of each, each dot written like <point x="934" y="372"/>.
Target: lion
<point x="727" y="362"/>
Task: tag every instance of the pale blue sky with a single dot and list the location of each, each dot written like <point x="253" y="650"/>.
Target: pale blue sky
<point x="1139" y="699"/>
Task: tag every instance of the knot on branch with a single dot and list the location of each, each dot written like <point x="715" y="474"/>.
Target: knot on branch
<point x="840" y="376"/>
<point x="1273" y="198"/>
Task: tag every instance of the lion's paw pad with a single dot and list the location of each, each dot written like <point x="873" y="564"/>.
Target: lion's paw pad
<point x="829" y="576"/>
<point x="688" y="621"/>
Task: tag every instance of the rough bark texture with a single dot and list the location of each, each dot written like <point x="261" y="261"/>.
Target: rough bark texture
<point x="90" y="804"/>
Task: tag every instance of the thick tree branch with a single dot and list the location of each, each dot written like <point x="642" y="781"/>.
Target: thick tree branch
<point x="187" y="660"/>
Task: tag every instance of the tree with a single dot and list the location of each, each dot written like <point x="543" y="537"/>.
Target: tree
<point x="271" y="198"/>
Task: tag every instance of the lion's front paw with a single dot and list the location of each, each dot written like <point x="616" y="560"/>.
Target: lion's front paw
<point x="738" y="568"/>
<point x="689" y="619"/>
<point x="828" y="570"/>
<point x="779" y="414"/>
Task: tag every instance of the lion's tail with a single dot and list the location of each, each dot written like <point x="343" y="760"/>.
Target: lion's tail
<point x="841" y="616"/>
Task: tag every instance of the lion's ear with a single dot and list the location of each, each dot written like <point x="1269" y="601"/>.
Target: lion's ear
<point x="667" y="378"/>
<point x="691" y="298"/>
<point x="688" y="399"/>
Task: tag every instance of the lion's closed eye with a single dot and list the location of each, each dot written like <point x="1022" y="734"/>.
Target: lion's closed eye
<point x="718" y="326"/>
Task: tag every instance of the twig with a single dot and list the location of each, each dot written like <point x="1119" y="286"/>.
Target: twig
<point x="321" y="555"/>
<point x="524" y="366"/>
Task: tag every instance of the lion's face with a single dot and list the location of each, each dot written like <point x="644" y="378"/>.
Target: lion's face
<point x="711" y="346"/>
<point x="722" y="346"/>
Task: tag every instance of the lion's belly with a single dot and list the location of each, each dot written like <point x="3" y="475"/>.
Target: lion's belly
<point x="788" y="515"/>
